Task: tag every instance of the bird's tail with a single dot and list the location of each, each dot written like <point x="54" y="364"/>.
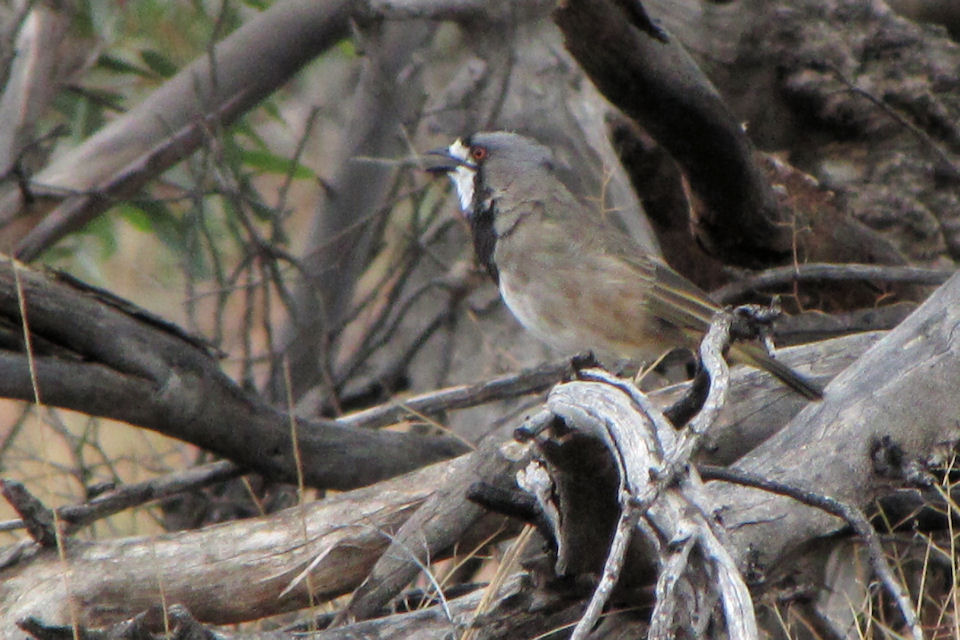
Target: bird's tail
<point x="754" y="355"/>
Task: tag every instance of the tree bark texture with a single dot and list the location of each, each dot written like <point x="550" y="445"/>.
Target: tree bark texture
<point x="98" y="354"/>
<point x="849" y="153"/>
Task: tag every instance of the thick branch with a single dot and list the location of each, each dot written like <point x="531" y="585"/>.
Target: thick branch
<point x="349" y="529"/>
<point x="223" y="573"/>
<point x="903" y="389"/>
<point x="230" y="77"/>
<point x="660" y="86"/>
<point x="120" y="365"/>
<point x="737" y="214"/>
<point x="437" y="526"/>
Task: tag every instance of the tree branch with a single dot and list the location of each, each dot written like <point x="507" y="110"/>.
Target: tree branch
<point x="657" y="84"/>
<point x="223" y="573"/>
<point x="853" y="516"/>
<point x="902" y="390"/>
<point x="128" y="368"/>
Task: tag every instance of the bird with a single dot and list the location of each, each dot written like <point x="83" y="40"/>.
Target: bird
<point x="565" y="272"/>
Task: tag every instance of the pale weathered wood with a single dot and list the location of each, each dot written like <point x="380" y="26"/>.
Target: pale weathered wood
<point x="903" y="389"/>
<point x="223" y="573"/>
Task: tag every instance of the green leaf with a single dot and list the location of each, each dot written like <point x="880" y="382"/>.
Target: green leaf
<point x="114" y="64"/>
<point x="155" y="217"/>
<point x="136" y="217"/>
<point x="271" y="109"/>
<point x="158" y="63"/>
<point x="243" y="128"/>
<point x="86" y="115"/>
<point x="267" y="162"/>
<point x="347" y="48"/>
<point x="103" y="229"/>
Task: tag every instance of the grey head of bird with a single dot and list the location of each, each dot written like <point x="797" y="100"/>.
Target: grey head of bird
<point x="494" y="174"/>
<point x="484" y="164"/>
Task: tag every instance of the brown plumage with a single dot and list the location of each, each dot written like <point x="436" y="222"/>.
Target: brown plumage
<point x="569" y="276"/>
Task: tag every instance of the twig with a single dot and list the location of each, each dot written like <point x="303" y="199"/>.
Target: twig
<point x="735" y="596"/>
<point x="462" y="396"/>
<point x="36" y="517"/>
<point x="671" y="570"/>
<point x="650" y="459"/>
<point x="508" y="565"/>
<point x="849" y="513"/>
<point x="131" y="495"/>
<point x="81" y="207"/>
<point x="827" y="271"/>
<point x="925" y="138"/>
<point x="711" y="359"/>
<point x="629" y="516"/>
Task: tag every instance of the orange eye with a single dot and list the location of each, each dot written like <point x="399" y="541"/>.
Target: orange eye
<point x="478" y="153"/>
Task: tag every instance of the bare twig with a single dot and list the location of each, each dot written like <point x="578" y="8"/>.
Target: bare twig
<point x="655" y="492"/>
<point x="132" y="495"/>
<point x="946" y="162"/>
<point x="79" y="208"/>
<point x="826" y="271"/>
<point x="674" y="560"/>
<point x="462" y="396"/>
<point x="629" y="515"/>
<point x="126" y="359"/>
<point x="37" y="518"/>
<point x="711" y="359"/>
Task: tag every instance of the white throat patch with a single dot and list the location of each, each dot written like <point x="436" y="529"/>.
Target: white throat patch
<point x="463" y="176"/>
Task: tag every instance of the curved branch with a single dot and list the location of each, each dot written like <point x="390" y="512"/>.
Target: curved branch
<point x="736" y="213"/>
<point x="655" y="82"/>
<point x="815" y="271"/>
<point x="126" y="366"/>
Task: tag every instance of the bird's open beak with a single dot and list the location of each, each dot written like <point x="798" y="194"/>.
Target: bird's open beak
<point x="449" y="163"/>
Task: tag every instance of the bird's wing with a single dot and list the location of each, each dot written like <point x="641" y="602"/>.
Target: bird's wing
<point x="672" y="297"/>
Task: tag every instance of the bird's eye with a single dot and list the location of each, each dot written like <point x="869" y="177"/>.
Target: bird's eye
<point x="478" y="153"/>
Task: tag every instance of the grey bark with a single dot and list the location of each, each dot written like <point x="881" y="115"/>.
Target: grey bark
<point x="902" y="389"/>
<point x="348" y="225"/>
<point x="95" y="353"/>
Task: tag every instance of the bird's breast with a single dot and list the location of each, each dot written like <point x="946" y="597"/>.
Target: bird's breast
<point x="575" y="299"/>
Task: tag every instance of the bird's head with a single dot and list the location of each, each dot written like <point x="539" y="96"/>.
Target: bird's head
<point x="483" y="164"/>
